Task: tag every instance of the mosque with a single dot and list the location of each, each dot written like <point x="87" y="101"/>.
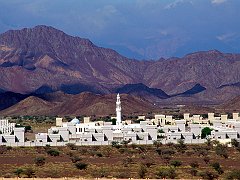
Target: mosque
<point x="161" y="128"/>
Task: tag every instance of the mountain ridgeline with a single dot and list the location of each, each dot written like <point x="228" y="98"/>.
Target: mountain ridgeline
<point x="40" y="60"/>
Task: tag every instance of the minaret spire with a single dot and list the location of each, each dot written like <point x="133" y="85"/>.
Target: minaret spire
<point x="118" y="110"/>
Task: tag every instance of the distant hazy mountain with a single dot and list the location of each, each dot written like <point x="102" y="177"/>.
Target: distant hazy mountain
<point x="44" y="60"/>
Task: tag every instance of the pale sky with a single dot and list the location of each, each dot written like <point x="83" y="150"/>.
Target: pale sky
<point x="141" y="29"/>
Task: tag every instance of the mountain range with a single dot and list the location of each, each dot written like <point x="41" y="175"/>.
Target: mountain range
<point x="85" y="103"/>
<point x="44" y="60"/>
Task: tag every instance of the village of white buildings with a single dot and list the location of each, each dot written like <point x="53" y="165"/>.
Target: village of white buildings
<point x="162" y="128"/>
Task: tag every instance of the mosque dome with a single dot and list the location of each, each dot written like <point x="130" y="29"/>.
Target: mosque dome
<point x="75" y="121"/>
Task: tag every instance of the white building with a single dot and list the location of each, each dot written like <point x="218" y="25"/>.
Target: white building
<point x="162" y="127"/>
<point x="9" y="134"/>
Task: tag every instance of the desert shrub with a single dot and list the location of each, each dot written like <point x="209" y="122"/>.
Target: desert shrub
<point x="122" y="150"/>
<point x="9" y="148"/>
<point x="166" y="172"/>
<point x="81" y="165"/>
<point x="47" y="147"/>
<point x="71" y="146"/>
<point x="194" y="164"/>
<point x="53" y="152"/>
<point x="208" y="175"/>
<point x="100" y="172"/>
<point x="18" y="172"/>
<point x="221" y="150"/>
<point x="133" y="145"/>
<point x="39" y="161"/>
<point x="75" y="158"/>
<point x="122" y="175"/>
<point x="141" y="148"/>
<point x="29" y="172"/>
<point x="116" y="144"/>
<point x="107" y="151"/>
<point x="148" y="163"/>
<point x="216" y="166"/>
<point x="168" y="151"/>
<point x="206" y="159"/>
<point x="142" y="171"/>
<point x="176" y="163"/>
<point x="166" y="158"/>
<point x="235" y="143"/>
<point x="193" y="171"/>
<point x="235" y="174"/>
<point x="99" y="154"/>
<point x="189" y="152"/>
<point x="208" y="142"/>
<point x="159" y="151"/>
<point x="83" y="150"/>
<point x="125" y="143"/>
<point x="48" y="173"/>
<point x="3" y="149"/>
<point x="127" y="161"/>
<point x="202" y="152"/>
<point x="170" y="144"/>
<point x="215" y="142"/>
<point x="157" y="143"/>
<point x="181" y="146"/>
<point x="8" y="175"/>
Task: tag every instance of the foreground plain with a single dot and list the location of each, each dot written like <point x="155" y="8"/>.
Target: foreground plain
<point x="206" y="161"/>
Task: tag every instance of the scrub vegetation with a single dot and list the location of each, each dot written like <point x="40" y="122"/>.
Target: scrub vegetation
<point x="173" y="161"/>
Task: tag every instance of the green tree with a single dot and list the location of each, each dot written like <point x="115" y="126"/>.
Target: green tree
<point x="114" y="121"/>
<point x="205" y="132"/>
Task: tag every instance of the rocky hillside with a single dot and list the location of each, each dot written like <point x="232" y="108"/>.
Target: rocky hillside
<point x="59" y="103"/>
<point x="43" y="59"/>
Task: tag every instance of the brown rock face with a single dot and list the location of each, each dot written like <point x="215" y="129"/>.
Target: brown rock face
<point x="44" y="56"/>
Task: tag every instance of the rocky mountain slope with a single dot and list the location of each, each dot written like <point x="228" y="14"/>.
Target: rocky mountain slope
<point x="30" y="58"/>
<point x="43" y="59"/>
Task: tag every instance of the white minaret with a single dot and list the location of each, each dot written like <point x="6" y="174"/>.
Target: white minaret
<point x="118" y="111"/>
